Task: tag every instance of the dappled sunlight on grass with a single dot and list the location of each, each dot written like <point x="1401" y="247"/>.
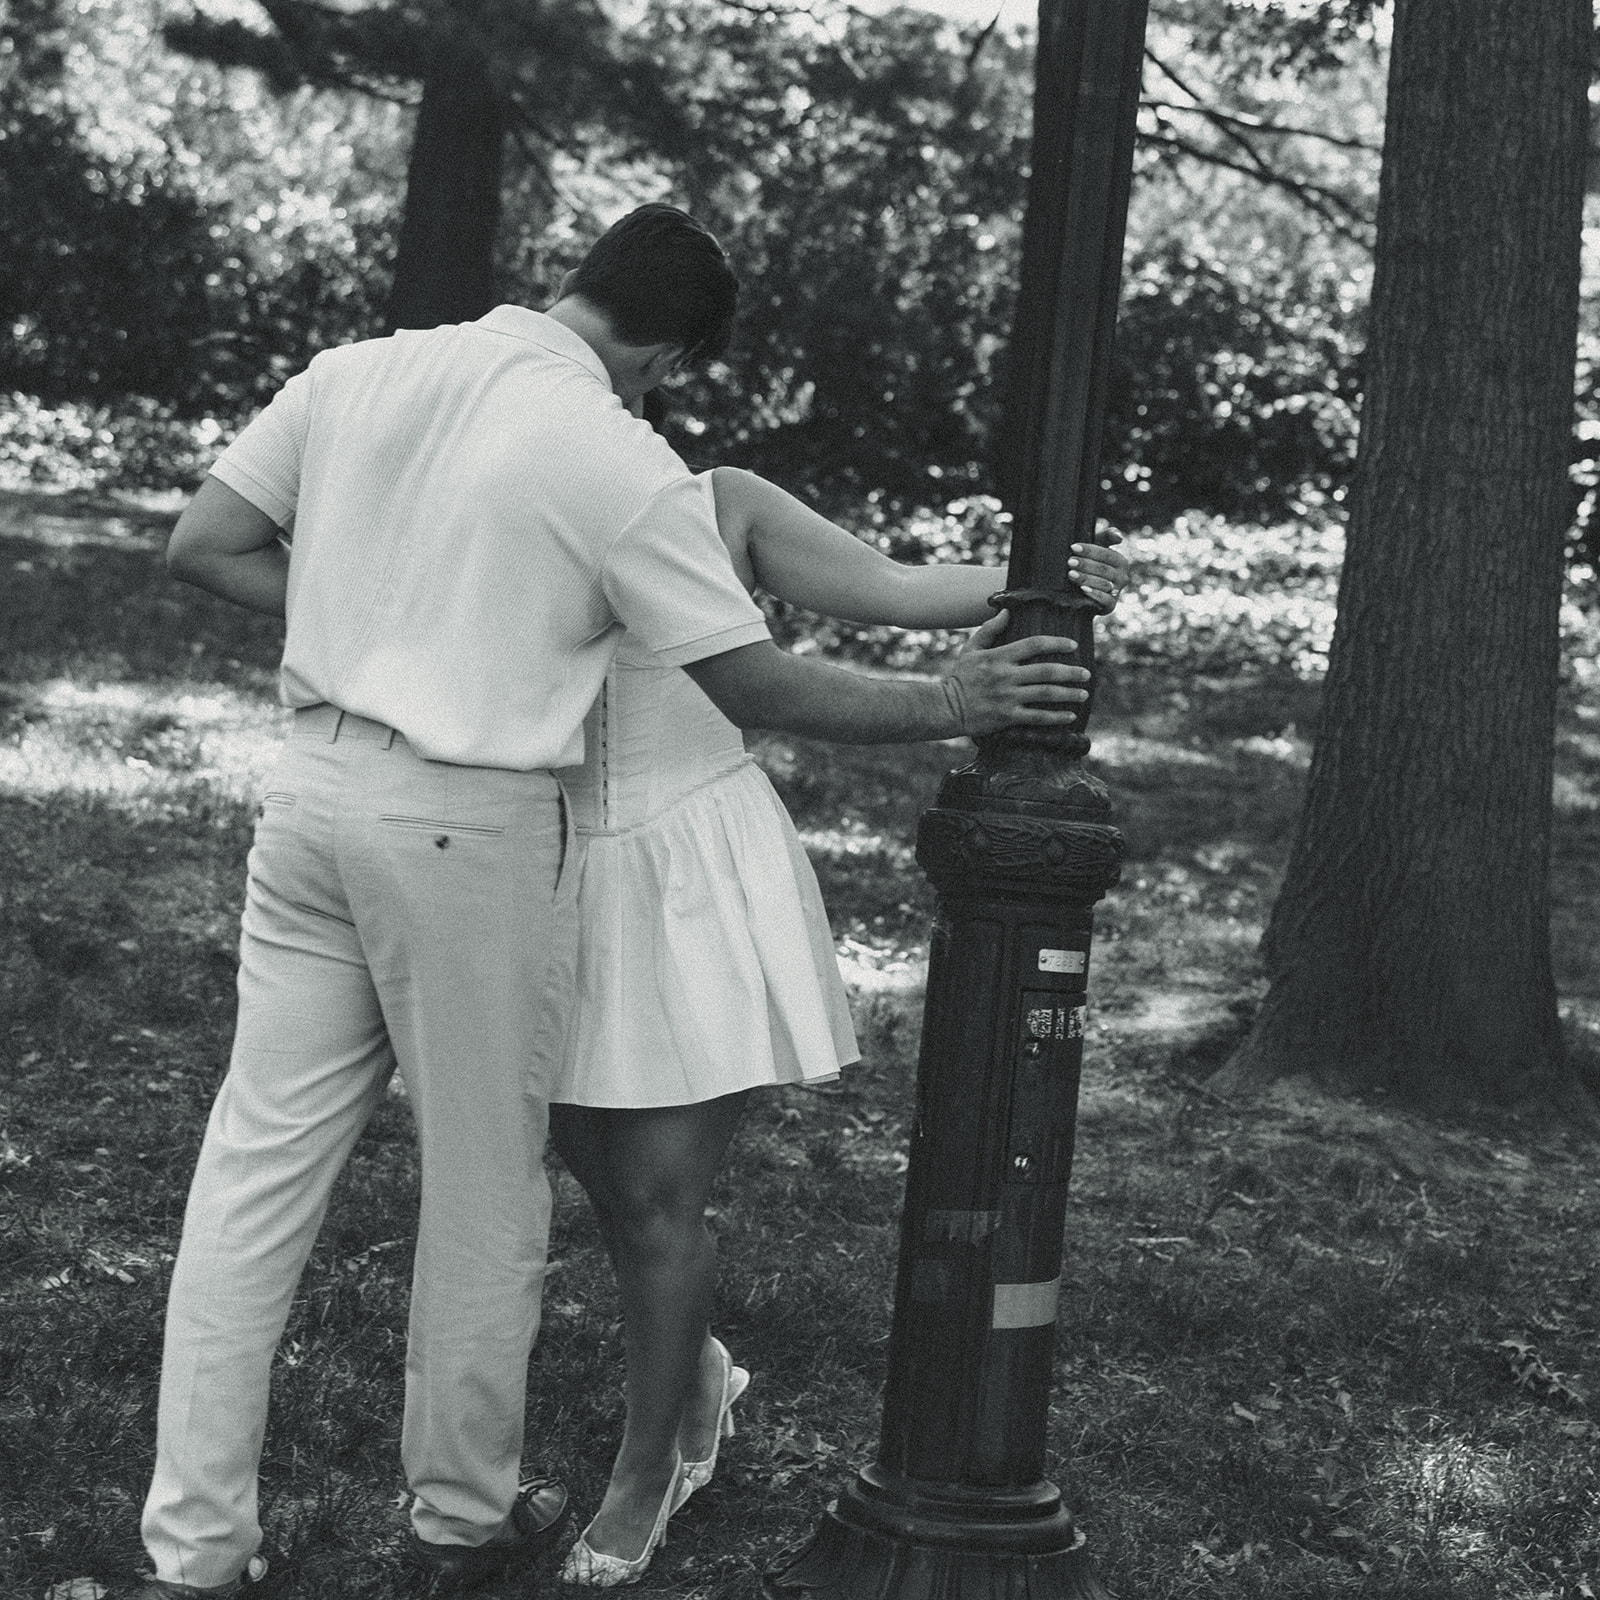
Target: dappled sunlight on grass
<point x="1285" y="1348"/>
<point x="1310" y="1348"/>
<point x="1464" y="1502"/>
<point x="1127" y="750"/>
<point x="857" y="839"/>
<point x="74" y="521"/>
<point x="1451" y="1484"/>
<point x="138" y="743"/>
<point x="1577" y="775"/>
<point x="1295" y="752"/>
<point x="1572" y="794"/>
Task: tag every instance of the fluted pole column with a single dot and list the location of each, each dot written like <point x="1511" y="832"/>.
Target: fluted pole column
<point x="1019" y="847"/>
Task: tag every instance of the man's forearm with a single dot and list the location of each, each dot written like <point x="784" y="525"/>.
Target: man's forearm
<point x="851" y="708"/>
<point x="762" y="687"/>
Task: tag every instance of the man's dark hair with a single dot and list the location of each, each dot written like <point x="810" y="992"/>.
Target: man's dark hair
<point x="662" y="279"/>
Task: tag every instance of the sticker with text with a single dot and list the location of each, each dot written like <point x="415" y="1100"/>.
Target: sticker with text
<point x="1056" y="1022"/>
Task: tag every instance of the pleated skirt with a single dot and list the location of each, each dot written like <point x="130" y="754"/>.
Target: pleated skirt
<point x="705" y="964"/>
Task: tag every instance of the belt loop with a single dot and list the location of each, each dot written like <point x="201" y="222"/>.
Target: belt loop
<point x="388" y="739"/>
<point x="333" y="732"/>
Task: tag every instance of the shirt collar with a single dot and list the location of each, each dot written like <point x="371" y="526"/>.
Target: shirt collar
<point x="523" y="323"/>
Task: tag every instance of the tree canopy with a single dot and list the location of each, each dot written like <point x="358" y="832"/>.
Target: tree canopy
<point x="867" y="173"/>
<point x="225" y="221"/>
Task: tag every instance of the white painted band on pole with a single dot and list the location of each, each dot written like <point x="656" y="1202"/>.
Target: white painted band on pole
<point x="1025" y="1305"/>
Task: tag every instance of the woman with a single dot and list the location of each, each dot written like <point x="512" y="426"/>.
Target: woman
<point x="706" y="969"/>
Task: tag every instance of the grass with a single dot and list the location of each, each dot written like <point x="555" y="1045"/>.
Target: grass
<point x="1309" y="1349"/>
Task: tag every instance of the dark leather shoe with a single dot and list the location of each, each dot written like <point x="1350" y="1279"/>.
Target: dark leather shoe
<point x="251" y="1582"/>
<point x="536" y="1518"/>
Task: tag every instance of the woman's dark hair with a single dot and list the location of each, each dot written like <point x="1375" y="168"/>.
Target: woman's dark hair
<point x="662" y="279"/>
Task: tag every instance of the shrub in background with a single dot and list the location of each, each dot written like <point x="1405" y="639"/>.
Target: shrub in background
<point x="134" y="306"/>
<point x="136" y="444"/>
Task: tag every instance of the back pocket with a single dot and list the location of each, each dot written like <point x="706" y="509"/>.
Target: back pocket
<point x="434" y="825"/>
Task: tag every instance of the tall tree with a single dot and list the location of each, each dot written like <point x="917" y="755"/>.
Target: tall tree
<point x="444" y="261"/>
<point x="1410" y="946"/>
<point x="554" y="74"/>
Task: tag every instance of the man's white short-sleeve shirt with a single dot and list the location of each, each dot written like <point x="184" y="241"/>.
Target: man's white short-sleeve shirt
<point x="475" y="517"/>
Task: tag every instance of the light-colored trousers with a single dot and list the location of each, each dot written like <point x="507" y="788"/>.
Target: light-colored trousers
<point x="398" y="911"/>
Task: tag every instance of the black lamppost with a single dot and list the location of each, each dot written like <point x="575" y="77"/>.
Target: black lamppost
<point x="1020" y="848"/>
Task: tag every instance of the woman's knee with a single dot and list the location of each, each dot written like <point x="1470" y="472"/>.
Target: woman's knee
<point x="645" y="1211"/>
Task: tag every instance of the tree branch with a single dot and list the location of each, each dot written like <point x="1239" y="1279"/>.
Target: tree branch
<point x="1312" y="196"/>
<point x="753" y="8"/>
<point x="1260" y="125"/>
<point x="373" y="88"/>
<point x="982" y="37"/>
<point x="535" y="159"/>
<point x="1168" y="73"/>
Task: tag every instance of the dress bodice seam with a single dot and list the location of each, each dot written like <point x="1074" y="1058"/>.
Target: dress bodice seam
<point x="652" y="739"/>
<point x="607" y="832"/>
<point x="605" y="753"/>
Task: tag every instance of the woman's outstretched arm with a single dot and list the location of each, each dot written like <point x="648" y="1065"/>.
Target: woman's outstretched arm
<point x="781" y="545"/>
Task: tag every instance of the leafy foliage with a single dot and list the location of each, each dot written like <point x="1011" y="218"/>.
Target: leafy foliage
<point x="868" y="179"/>
<point x="123" y="280"/>
<point x="866" y="172"/>
<point x="1233" y="390"/>
<point x="1255" y="38"/>
<point x="568" y="74"/>
<point x="100" y="277"/>
<point x="138" y="444"/>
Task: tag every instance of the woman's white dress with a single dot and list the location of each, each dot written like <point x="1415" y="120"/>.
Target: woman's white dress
<point x="705" y="964"/>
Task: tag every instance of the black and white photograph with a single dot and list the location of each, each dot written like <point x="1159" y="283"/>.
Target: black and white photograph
<point x="800" y="799"/>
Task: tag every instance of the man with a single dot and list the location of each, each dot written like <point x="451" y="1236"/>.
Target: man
<point x="475" y="515"/>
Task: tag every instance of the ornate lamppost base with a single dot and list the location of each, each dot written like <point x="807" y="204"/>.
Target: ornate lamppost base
<point x="892" y="1538"/>
<point x="847" y="1562"/>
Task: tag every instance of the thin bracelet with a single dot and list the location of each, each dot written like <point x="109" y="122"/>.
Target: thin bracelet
<point x="958" y="703"/>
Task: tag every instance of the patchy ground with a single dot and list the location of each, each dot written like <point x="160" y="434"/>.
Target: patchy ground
<point x="1308" y="1349"/>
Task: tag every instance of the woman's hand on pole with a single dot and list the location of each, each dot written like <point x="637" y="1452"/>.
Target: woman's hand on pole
<point x="1100" y="570"/>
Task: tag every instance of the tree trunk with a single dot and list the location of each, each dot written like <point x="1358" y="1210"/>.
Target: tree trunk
<point x="1409" y="949"/>
<point x="444" y="265"/>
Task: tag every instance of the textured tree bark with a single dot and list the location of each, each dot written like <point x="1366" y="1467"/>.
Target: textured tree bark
<point x="1410" y="947"/>
<point x="444" y="264"/>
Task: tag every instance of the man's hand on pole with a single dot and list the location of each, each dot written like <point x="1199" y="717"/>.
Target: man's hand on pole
<point x="994" y="686"/>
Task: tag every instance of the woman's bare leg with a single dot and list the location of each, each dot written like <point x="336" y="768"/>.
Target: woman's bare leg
<point x="648" y="1174"/>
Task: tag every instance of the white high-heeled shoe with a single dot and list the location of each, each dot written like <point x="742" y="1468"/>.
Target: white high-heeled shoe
<point x="597" y="1570"/>
<point x="735" y="1380"/>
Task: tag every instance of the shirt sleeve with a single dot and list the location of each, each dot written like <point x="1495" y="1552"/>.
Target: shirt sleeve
<point x="669" y="580"/>
<point x="263" y="463"/>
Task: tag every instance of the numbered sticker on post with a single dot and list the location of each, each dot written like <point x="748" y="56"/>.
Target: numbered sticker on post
<point x="1063" y="960"/>
<point x="1044" y="1017"/>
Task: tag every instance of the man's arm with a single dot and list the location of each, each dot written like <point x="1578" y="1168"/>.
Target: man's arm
<point x="229" y="547"/>
<point x="989" y="687"/>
